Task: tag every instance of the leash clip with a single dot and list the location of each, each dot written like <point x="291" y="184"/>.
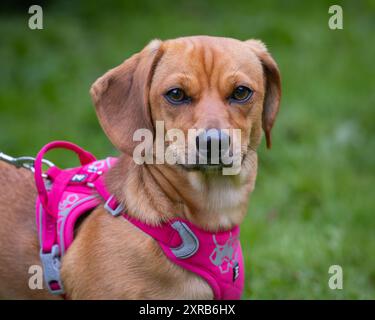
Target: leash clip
<point x="51" y="269"/>
<point x="24" y="162"/>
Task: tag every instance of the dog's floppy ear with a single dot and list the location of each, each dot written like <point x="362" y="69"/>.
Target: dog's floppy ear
<point x="272" y="86"/>
<point x="121" y="97"/>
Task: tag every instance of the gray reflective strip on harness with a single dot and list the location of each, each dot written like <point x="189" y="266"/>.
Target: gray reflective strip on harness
<point x="65" y="214"/>
<point x="190" y="243"/>
<point x="108" y="163"/>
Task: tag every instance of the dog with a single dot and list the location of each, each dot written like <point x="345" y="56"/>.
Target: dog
<point x="189" y="82"/>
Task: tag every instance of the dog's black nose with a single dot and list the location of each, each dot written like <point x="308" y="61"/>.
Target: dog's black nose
<point x="212" y="144"/>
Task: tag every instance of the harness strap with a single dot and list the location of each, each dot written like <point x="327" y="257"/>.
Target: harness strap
<point x="168" y="235"/>
<point x="176" y="237"/>
<point x="50" y="251"/>
<point x="58" y="188"/>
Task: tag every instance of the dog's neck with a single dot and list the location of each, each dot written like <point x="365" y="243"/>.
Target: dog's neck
<point x="156" y="193"/>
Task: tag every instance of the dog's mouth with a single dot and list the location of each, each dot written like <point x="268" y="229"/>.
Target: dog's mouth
<point x="205" y="167"/>
<point x="212" y="160"/>
<point x="214" y="168"/>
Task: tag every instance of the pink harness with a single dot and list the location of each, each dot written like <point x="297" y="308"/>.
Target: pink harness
<point x="68" y="194"/>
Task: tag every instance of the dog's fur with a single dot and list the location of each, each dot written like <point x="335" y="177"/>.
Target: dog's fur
<point x="110" y="258"/>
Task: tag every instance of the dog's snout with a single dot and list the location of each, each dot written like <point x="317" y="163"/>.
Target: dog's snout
<point x="212" y="144"/>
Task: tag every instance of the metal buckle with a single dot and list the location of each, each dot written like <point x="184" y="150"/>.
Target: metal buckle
<point x="51" y="269"/>
<point x="114" y="212"/>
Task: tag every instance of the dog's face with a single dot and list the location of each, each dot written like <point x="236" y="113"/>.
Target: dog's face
<point x="188" y="83"/>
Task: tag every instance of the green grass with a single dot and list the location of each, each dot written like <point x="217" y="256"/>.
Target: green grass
<point x="314" y="202"/>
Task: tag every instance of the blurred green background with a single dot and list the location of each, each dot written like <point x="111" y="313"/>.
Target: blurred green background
<point x="314" y="202"/>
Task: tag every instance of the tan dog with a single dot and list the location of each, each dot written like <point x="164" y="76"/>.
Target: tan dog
<point x="188" y="83"/>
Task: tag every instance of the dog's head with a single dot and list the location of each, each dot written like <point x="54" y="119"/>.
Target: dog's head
<point x="210" y="84"/>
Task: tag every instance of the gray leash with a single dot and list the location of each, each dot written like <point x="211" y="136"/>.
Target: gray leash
<point x="24" y="162"/>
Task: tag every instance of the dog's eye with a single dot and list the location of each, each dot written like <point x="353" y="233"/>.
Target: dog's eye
<point x="176" y="96"/>
<point x="241" y="94"/>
